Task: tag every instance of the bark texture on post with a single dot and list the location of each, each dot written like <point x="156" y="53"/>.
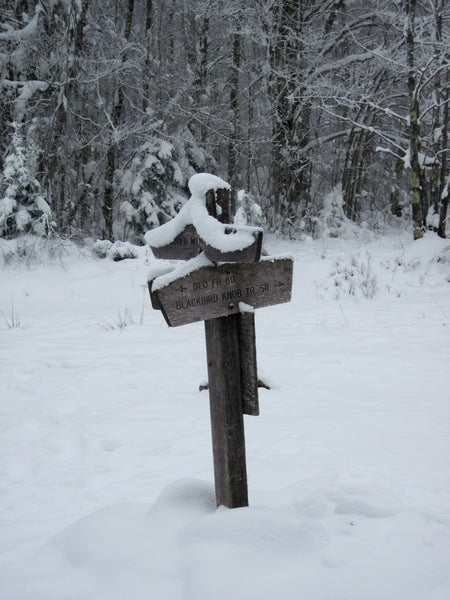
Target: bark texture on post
<point x="226" y="202"/>
<point x="249" y="375"/>
<point x="225" y="391"/>
<point x="227" y="422"/>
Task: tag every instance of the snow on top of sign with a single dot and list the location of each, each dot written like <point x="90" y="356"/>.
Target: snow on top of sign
<point x="160" y="268"/>
<point x="213" y="232"/>
<point x="200" y="183"/>
<point x="245" y="308"/>
<point x="184" y="269"/>
<point x="275" y="257"/>
<point x="194" y="212"/>
<point x="165" y="234"/>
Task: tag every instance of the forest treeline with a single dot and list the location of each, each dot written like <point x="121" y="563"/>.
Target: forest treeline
<point x="109" y="106"/>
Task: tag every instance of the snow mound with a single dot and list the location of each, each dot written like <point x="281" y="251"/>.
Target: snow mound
<point x="116" y="251"/>
<point x="186" y="496"/>
<point x="332" y="221"/>
<point x="319" y="540"/>
<point x="258" y="529"/>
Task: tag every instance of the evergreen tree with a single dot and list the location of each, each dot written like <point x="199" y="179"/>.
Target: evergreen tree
<point x="151" y="188"/>
<point x="23" y="209"/>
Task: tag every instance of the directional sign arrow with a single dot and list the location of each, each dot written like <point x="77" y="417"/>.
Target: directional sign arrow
<point x="217" y="291"/>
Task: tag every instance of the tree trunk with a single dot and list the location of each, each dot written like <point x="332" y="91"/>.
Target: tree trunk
<point x="233" y="175"/>
<point x="290" y="169"/>
<point x="147" y="70"/>
<point x="108" y="195"/>
<point x="444" y="182"/>
<point x="415" y="172"/>
<point x="443" y="94"/>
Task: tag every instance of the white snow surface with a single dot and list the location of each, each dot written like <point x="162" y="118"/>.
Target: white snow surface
<point x="106" y="473"/>
<point x="194" y="212"/>
<point x="200" y="183"/>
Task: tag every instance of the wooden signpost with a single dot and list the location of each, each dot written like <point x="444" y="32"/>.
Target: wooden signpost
<point x="224" y="296"/>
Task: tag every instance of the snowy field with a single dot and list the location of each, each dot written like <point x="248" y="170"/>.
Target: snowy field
<point x="106" y="477"/>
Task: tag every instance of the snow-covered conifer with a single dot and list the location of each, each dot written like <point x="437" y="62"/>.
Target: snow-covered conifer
<point x="23" y="208"/>
<point x="249" y="211"/>
<point x="152" y="187"/>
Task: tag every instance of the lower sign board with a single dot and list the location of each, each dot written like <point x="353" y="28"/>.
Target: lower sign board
<point x="229" y="288"/>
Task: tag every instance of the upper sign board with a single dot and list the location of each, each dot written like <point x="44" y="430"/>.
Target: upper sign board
<point x="188" y="244"/>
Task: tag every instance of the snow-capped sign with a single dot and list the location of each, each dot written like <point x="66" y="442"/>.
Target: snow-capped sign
<point x="188" y="244"/>
<point x="216" y="291"/>
<point x="184" y="246"/>
<point x="202" y="225"/>
<point x="251" y="253"/>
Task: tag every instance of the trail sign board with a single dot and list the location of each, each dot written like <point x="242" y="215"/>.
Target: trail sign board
<point x="218" y="291"/>
<point x="189" y="244"/>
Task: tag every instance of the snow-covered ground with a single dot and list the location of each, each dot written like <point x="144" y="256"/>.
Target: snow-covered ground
<point x="106" y="477"/>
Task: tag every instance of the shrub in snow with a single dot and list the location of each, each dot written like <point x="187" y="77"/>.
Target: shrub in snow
<point x="402" y="263"/>
<point x="124" y="319"/>
<point x="152" y="186"/>
<point x="116" y="251"/>
<point x="21" y="251"/>
<point x="248" y="211"/>
<point x="23" y="209"/>
<point x="432" y="219"/>
<point x="444" y="256"/>
<point x="122" y="250"/>
<point x="30" y="250"/>
<point x="331" y="220"/>
<point x="12" y="320"/>
<point x="354" y="276"/>
<point x="101" y="248"/>
<point x="442" y="261"/>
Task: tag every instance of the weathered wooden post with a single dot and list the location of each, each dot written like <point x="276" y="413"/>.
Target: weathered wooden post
<point x="227" y="421"/>
<point x="223" y="353"/>
<point x="245" y="320"/>
<point x="222" y="283"/>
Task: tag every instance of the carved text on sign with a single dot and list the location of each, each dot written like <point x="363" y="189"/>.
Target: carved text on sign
<point x="185" y="246"/>
<point x="217" y="291"/>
